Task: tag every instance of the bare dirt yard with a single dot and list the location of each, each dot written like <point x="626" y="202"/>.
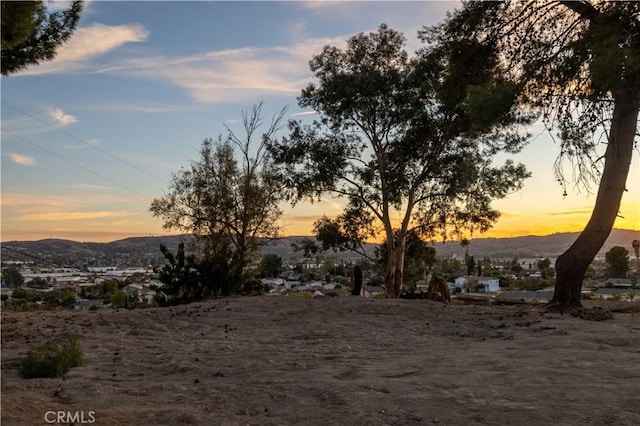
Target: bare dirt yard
<point x="328" y="361"/>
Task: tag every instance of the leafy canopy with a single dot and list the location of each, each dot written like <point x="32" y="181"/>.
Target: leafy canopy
<point x="31" y="34"/>
<point x="404" y="148"/>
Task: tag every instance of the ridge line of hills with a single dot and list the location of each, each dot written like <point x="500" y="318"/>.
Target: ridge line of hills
<point x="137" y="251"/>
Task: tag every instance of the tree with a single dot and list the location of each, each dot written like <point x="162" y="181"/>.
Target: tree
<point x="399" y="145"/>
<point x="420" y="257"/>
<point x="543" y="267"/>
<point x="578" y="64"/>
<point x="636" y="249"/>
<point x="12" y="277"/>
<point x="470" y="262"/>
<point x="30" y="33"/>
<point x="231" y="206"/>
<point x="271" y="265"/>
<point x="617" y="259"/>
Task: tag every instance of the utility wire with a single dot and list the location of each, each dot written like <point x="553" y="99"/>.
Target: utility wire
<point x="77" y="165"/>
<point x="85" y="142"/>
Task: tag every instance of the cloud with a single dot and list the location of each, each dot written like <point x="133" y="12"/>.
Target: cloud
<point x="24" y="160"/>
<point x="148" y="107"/>
<point x="91" y="187"/>
<point x="62" y="118"/>
<point x="298" y="114"/>
<point x="581" y="211"/>
<point x="63" y="216"/>
<point x="86" y="43"/>
<point x="230" y="75"/>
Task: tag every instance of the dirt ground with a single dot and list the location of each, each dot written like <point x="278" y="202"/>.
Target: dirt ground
<point x="328" y="361"/>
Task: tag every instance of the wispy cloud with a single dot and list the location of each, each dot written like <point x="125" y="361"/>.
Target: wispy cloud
<point x="64" y="216"/>
<point x="91" y="187"/>
<point x="90" y="143"/>
<point x="62" y="118"/>
<point x="299" y="114"/>
<point x="578" y="211"/>
<point x="131" y="107"/>
<point x="24" y="160"/>
<point x="87" y="43"/>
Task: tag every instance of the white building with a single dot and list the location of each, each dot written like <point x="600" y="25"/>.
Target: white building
<point x="485" y="284"/>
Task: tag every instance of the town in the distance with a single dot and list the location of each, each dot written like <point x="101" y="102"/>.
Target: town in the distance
<point x="61" y="274"/>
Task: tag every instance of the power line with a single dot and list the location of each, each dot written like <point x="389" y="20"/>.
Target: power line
<point x="77" y="165"/>
<point x="85" y="142"/>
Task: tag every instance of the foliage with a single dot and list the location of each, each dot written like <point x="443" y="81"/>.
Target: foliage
<point x="593" y="314"/>
<point x="52" y="359"/>
<point x="544" y="266"/>
<point x="230" y="205"/>
<point x="636" y="250"/>
<point x="617" y="259"/>
<point x="578" y="64"/>
<point x="271" y="265"/>
<point x="532" y="283"/>
<point x="19" y="305"/>
<point x="65" y="297"/>
<point x="394" y="141"/>
<point x="31" y="34"/>
<point x="420" y="257"/>
<point x="119" y="299"/>
<point x="185" y="280"/>
<point x="12" y="276"/>
<point x="19" y="293"/>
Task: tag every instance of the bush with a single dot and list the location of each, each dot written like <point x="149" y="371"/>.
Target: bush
<point x="19" y="293"/>
<point x="19" y="305"/>
<point x="51" y="360"/>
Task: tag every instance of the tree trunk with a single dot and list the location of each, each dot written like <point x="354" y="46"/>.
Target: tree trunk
<point x="395" y="268"/>
<point x="573" y="263"/>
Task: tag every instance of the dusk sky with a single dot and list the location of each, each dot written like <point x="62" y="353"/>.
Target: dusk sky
<point x="90" y="138"/>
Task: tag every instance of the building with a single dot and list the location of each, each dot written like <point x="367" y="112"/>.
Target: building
<point x="473" y="284"/>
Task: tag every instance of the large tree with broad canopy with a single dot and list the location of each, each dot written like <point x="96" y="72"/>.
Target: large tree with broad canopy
<point x="407" y="150"/>
<point x="578" y="64"/>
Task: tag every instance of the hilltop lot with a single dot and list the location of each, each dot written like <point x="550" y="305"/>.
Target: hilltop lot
<point x="329" y="361"/>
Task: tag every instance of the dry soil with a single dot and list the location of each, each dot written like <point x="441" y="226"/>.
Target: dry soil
<point x="328" y="361"/>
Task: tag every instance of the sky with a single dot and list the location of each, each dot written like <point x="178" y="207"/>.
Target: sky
<point x="90" y="138"/>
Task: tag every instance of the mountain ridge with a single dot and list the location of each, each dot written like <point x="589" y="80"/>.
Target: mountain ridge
<point x="144" y="251"/>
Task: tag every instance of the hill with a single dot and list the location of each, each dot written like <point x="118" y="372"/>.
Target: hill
<point x="142" y="251"/>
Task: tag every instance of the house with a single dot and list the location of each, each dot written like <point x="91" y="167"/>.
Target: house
<point x="372" y="290"/>
<point x="627" y="295"/>
<point x="485" y="284"/>
<point x="140" y="293"/>
<point x="620" y="282"/>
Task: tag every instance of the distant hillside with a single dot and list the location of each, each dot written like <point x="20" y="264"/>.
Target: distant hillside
<point x="143" y="251"/>
<point x="533" y="246"/>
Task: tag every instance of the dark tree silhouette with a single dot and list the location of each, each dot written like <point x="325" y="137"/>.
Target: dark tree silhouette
<point x="30" y="33"/>
<point x="578" y="64"/>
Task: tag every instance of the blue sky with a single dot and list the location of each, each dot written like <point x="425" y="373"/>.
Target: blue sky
<point x="90" y="138"/>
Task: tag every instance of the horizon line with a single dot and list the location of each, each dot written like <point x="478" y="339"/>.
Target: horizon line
<point x="308" y="236"/>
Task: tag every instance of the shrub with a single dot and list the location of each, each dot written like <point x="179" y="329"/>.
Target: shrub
<point x="19" y="305"/>
<point x="51" y="360"/>
<point x="19" y="293"/>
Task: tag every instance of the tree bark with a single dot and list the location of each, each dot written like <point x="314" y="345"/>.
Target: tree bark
<point x="573" y="263"/>
<point x="395" y="267"/>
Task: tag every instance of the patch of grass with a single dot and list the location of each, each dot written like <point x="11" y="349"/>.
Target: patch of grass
<point x="19" y="305"/>
<point x="51" y="359"/>
<point x="593" y="314"/>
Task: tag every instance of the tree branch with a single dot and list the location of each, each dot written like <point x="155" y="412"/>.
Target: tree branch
<point x="583" y="8"/>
